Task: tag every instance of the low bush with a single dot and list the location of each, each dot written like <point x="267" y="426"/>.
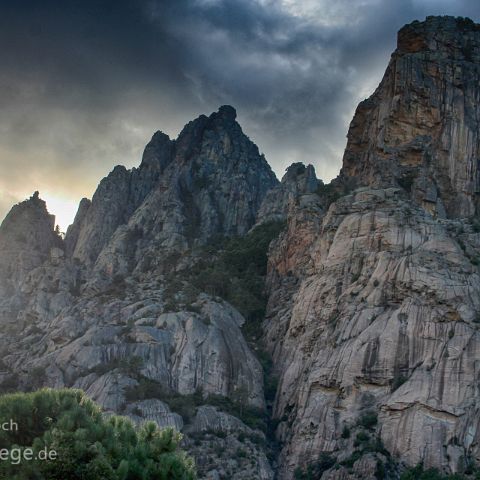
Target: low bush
<point x="368" y="420"/>
<point x="315" y="470"/>
<point x="418" y="473"/>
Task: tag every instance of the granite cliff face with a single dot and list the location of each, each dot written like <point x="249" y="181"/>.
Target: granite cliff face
<point x="375" y="302"/>
<point x="210" y="181"/>
<point x="112" y="308"/>
<point x="153" y="303"/>
<point x="27" y="237"/>
<point x="420" y="128"/>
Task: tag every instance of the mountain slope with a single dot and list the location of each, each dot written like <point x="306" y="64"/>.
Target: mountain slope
<point x="113" y="310"/>
<point x="153" y="303"/>
<point x="374" y="304"/>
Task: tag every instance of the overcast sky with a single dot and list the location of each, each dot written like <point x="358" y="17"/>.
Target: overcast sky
<point x="84" y="84"/>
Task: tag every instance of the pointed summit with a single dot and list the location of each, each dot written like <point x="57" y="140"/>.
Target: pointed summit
<point x="158" y="152"/>
<point x="420" y="129"/>
<point x="33" y="209"/>
<point x="26" y="237"/>
<point x="227" y="112"/>
<point x="299" y="181"/>
<point x="210" y="181"/>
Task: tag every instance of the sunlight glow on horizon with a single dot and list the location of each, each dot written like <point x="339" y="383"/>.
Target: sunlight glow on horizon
<point x="62" y="207"/>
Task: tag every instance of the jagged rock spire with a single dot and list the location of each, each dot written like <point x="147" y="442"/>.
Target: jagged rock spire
<point x="211" y="180"/>
<point x="420" y="129"/>
<point x="27" y="234"/>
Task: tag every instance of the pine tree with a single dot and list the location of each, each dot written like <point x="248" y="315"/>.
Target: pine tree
<point x="87" y="444"/>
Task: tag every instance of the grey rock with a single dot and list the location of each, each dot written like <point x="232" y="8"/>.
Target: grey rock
<point x="27" y="235"/>
<point x="419" y="129"/>
<point x="298" y="181"/>
<point x="156" y="411"/>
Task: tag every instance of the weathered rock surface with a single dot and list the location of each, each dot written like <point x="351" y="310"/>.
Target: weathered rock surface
<point x="373" y="287"/>
<point x="210" y="181"/>
<point x="104" y="312"/>
<point x="374" y="304"/>
<point x="116" y="198"/>
<point x="420" y="127"/>
<point x="225" y="448"/>
<point x="298" y="180"/>
<point x="156" y="411"/>
<point x="381" y="316"/>
<point x="27" y="236"/>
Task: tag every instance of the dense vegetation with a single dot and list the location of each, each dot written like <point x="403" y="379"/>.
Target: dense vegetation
<point x="315" y="470"/>
<point x="419" y="473"/>
<point x="232" y="268"/>
<point x="186" y="405"/>
<point x="87" y="445"/>
<point x="330" y="193"/>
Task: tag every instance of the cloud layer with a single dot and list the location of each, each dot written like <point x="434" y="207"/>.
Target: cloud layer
<point x="83" y="85"/>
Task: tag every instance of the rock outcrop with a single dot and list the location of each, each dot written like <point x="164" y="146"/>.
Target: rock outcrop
<point x="376" y="316"/>
<point x="373" y="286"/>
<point x="111" y="309"/>
<point x="210" y="181"/>
<point x="419" y="130"/>
<point x="27" y="237"/>
<point x="297" y="181"/>
<point x="116" y="198"/>
<point x="374" y="303"/>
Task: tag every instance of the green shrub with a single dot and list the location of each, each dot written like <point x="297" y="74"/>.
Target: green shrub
<point x="251" y="416"/>
<point x="87" y="444"/>
<point x="241" y="453"/>
<point x="315" y="470"/>
<point x="368" y="420"/>
<point x="234" y="269"/>
<point x="375" y="445"/>
<point x="418" y="473"/>
<point x="329" y="193"/>
<point x="356" y="276"/>
<point x="380" y="470"/>
<point x="129" y="365"/>
<point x="270" y="387"/>
<point x="184" y="405"/>
<point x="348" y="462"/>
<point x="361" y="439"/>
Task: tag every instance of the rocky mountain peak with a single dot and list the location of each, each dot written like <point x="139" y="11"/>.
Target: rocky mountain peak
<point x="419" y="130"/>
<point x="27" y="236"/>
<point x="302" y="176"/>
<point x="370" y="286"/>
<point x="298" y="184"/>
<point x="449" y="36"/>
<point x="227" y="113"/>
<point x="30" y="222"/>
<point x="210" y="181"/>
<point x="157" y="153"/>
<point x="373" y="303"/>
<point x="220" y="129"/>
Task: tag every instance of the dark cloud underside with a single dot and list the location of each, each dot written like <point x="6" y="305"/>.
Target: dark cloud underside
<point x="84" y="84"/>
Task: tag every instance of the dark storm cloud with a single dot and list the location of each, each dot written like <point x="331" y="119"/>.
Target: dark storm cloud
<point x="83" y="85"/>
